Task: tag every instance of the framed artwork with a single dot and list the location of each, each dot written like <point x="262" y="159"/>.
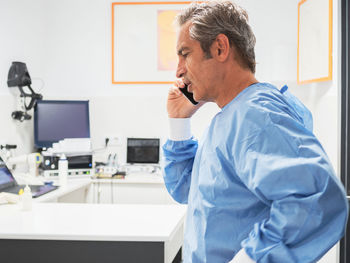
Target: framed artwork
<point x="314" y="41"/>
<point x="144" y="42"/>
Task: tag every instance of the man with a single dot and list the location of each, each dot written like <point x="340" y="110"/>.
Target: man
<point x="259" y="186"/>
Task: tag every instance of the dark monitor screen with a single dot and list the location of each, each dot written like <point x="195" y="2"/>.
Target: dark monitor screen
<point x="141" y="150"/>
<point x="55" y="120"/>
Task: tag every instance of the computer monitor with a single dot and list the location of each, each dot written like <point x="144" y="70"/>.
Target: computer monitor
<point x="142" y="151"/>
<point x="55" y="120"/>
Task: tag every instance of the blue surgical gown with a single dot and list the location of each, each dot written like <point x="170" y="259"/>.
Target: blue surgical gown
<point x="258" y="179"/>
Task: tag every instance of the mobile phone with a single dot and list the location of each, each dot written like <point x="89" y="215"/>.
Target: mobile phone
<point x="189" y="95"/>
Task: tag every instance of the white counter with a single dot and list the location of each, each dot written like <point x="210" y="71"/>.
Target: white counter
<point x="67" y="233"/>
<point x="60" y="221"/>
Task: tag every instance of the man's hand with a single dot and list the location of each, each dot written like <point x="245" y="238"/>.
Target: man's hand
<point x="178" y="105"/>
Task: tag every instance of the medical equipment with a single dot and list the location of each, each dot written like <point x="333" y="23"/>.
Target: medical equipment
<point x="8" y="146"/>
<point x="18" y="76"/>
<point x="79" y="156"/>
<point x="55" y="120"/>
<point x="33" y="161"/>
<point x="142" y="151"/>
<point x="78" y="165"/>
<point x="62" y="170"/>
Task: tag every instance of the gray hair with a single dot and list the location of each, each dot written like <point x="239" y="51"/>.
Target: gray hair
<point x="209" y="19"/>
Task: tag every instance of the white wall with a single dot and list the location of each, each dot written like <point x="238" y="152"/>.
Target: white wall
<point x="67" y="47"/>
<point x="22" y="28"/>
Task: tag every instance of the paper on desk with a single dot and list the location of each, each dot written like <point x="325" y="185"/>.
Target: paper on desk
<point x="71" y="146"/>
<point x="8" y="198"/>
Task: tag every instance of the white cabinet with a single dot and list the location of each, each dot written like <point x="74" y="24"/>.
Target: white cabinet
<point x="141" y="189"/>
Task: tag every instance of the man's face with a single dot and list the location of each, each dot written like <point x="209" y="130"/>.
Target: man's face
<point x="196" y="70"/>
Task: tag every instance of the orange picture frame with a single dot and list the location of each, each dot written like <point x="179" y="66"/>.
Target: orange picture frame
<point x="116" y="5"/>
<point x="314" y="59"/>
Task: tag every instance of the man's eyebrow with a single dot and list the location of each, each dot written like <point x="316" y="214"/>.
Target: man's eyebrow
<point x="179" y="52"/>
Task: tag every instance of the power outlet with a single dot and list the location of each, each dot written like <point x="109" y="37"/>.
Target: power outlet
<point x="114" y="140"/>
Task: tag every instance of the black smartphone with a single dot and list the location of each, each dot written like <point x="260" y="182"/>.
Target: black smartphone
<point x="189" y="95"/>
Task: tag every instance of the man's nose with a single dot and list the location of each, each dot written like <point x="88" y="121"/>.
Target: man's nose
<point x="180" y="71"/>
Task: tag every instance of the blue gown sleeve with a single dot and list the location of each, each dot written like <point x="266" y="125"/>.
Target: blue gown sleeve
<point x="178" y="162"/>
<point x="287" y="169"/>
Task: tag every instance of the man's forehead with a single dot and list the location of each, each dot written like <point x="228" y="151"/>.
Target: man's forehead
<point x="183" y="37"/>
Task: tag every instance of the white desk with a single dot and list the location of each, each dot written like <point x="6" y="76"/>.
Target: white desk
<point x="86" y="233"/>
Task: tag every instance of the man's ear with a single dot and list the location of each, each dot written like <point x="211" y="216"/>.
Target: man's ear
<point x="220" y="48"/>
